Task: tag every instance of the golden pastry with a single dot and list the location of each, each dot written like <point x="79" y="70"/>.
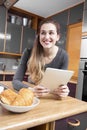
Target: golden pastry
<point x="23" y="98"/>
<point x="8" y="96"/>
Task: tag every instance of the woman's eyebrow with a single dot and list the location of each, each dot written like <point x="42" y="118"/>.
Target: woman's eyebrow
<point x="46" y="30"/>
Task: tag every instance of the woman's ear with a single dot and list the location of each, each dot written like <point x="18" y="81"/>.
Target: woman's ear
<point x="58" y="37"/>
<point x="36" y="35"/>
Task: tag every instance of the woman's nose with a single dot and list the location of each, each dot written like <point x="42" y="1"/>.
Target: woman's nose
<point x="47" y="35"/>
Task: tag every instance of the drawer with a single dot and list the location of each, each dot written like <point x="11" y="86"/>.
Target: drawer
<point x="76" y="122"/>
<point x="72" y="87"/>
<point x="8" y="77"/>
<point x="1" y="77"/>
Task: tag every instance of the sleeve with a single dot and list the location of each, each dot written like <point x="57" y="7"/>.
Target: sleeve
<point x="64" y="61"/>
<point x="20" y="73"/>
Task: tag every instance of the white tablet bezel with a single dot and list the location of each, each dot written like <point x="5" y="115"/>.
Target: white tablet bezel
<point x="55" y="77"/>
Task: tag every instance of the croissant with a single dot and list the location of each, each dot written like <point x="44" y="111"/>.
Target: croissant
<point x="8" y="96"/>
<point x="23" y="98"/>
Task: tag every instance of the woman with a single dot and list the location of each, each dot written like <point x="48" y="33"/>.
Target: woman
<point x="44" y="54"/>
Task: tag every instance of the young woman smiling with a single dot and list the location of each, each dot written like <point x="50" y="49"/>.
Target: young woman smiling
<point x="44" y="54"/>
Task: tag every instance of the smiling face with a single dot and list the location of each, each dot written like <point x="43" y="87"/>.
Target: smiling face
<point x="48" y="35"/>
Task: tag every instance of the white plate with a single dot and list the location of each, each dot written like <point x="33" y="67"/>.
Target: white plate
<point x="1" y="88"/>
<point x="20" y="109"/>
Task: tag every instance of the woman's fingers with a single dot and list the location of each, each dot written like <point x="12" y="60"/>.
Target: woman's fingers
<point x="62" y="91"/>
<point x="40" y="91"/>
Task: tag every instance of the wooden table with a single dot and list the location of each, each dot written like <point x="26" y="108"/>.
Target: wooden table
<point x="44" y="115"/>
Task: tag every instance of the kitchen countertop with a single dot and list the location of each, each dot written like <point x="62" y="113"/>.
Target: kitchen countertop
<point x="73" y="79"/>
<point x="10" y="72"/>
<point x="49" y="110"/>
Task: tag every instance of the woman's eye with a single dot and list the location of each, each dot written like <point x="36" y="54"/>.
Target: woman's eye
<point x="43" y="33"/>
<point x="51" y="33"/>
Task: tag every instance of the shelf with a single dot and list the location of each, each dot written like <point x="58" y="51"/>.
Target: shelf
<point x="10" y="54"/>
<point x="22" y="13"/>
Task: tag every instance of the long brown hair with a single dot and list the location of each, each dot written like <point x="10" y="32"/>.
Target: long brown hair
<point x="36" y="63"/>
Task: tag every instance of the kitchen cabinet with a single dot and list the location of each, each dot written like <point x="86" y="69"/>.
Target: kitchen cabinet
<point x="11" y="33"/>
<point x="67" y="17"/>
<point x="9" y="77"/>
<point x="62" y="19"/>
<point x="1" y="77"/>
<point x="2" y="26"/>
<point x="85" y="5"/>
<point x="13" y="39"/>
<point x="73" y="46"/>
<point x="28" y="38"/>
<point x="76" y="122"/>
<point x="72" y="87"/>
<point x="41" y="127"/>
<point x="62" y="41"/>
<point x="6" y="77"/>
<point x="76" y="14"/>
<point x="32" y="18"/>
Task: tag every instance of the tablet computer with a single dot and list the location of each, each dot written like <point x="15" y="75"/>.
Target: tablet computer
<point x="55" y="77"/>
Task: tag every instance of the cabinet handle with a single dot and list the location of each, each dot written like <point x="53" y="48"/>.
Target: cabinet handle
<point x="73" y="122"/>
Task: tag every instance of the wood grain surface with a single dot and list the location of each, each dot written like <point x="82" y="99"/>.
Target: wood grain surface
<point x="49" y="110"/>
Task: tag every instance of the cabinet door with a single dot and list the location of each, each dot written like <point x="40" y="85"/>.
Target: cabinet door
<point x="85" y="5"/>
<point x="72" y="87"/>
<point x="8" y="77"/>
<point x="78" y="122"/>
<point x="73" y="46"/>
<point x="28" y="38"/>
<point x="13" y="40"/>
<point x="62" y="19"/>
<point x="76" y="14"/>
<point x="2" y="26"/>
<point x="1" y="77"/>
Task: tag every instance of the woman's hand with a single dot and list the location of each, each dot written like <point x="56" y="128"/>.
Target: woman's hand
<point x="62" y="91"/>
<point x="40" y="91"/>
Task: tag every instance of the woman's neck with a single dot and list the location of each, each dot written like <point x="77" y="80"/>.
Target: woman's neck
<point x="49" y="54"/>
<point x="51" y="51"/>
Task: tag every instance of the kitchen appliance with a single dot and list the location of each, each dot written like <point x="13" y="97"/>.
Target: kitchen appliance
<point x="83" y="52"/>
<point x="81" y="91"/>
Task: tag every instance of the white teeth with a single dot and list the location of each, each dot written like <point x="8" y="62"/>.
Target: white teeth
<point x="47" y="42"/>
